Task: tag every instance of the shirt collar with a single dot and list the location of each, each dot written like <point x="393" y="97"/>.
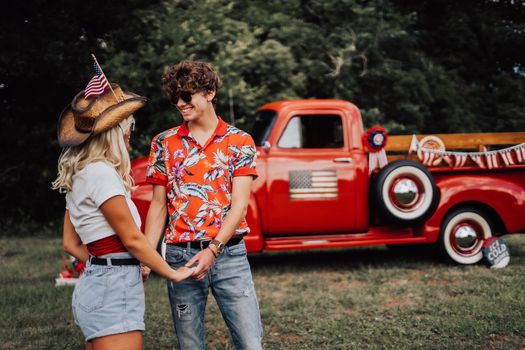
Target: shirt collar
<point x="183" y="130"/>
<point x="220" y="130"/>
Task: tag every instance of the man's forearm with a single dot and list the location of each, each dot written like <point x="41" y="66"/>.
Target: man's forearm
<point x="157" y="215"/>
<point x="230" y="224"/>
<point x="239" y="206"/>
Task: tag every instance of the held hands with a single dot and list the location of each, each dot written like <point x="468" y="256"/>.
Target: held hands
<point x="196" y="268"/>
<point x="182" y="273"/>
<point x="201" y="262"/>
<point x="178" y="275"/>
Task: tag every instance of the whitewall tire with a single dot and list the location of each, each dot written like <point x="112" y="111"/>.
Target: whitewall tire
<point x="462" y="234"/>
<point x="405" y="192"/>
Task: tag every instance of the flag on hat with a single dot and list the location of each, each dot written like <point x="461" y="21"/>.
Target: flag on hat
<point x="97" y="84"/>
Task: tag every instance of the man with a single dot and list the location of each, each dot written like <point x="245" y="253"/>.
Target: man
<point x="202" y="173"/>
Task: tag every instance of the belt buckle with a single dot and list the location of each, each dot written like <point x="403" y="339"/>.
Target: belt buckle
<point x="201" y="242"/>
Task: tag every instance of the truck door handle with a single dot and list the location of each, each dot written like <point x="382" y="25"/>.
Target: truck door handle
<point x="343" y="160"/>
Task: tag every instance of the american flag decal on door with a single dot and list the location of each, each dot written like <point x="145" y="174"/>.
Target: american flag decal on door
<point x="315" y="184"/>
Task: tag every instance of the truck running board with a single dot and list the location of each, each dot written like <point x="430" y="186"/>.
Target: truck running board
<point x="376" y="236"/>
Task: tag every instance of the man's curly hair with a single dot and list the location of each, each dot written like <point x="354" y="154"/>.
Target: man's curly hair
<point x="191" y="76"/>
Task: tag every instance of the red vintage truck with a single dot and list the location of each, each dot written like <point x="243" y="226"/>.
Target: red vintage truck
<point x="315" y="190"/>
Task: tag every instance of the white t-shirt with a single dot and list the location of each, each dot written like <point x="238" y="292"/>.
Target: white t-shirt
<point x="92" y="186"/>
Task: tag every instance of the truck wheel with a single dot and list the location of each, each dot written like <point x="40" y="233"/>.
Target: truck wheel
<point x="462" y="234"/>
<point x="405" y="192"/>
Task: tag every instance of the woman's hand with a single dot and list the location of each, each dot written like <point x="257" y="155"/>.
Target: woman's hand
<point x="182" y="273"/>
<point x="144" y="271"/>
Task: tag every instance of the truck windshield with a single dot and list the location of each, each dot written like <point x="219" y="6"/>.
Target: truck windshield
<point x="262" y="125"/>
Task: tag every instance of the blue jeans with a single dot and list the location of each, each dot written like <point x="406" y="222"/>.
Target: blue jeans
<point x="231" y="283"/>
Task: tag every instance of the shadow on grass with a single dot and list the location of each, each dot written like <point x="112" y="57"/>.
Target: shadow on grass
<point x="414" y="256"/>
<point x="348" y="258"/>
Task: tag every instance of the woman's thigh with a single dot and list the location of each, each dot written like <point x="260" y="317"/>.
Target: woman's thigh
<point x="122" y="341"/>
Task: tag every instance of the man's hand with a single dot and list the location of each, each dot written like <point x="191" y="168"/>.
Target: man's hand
<point x="204" y="260"/>
<point x="144" y="271"/>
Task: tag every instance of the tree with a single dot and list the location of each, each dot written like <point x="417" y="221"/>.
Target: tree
<point x="45" y="61"/>
<point x="412" y="66"/>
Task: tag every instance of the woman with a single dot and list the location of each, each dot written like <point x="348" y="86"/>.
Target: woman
<point x="101" y="223"/>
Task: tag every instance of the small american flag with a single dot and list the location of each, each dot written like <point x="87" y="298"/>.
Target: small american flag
<point x="313" y="184"/>
<point x="97" y="84"/>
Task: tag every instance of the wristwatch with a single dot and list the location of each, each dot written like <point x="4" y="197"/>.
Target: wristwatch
<point x="218" y="244"/>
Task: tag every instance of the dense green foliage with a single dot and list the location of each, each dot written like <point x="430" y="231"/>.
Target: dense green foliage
<point x="412" y="66"/>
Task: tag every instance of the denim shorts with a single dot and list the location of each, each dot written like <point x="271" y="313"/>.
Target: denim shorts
<point x="109" y="299"/>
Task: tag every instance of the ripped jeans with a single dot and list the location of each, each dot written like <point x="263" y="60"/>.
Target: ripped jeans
<point x="230" y="280"/>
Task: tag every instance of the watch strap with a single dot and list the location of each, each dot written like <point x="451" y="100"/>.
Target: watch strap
<point x="218" y="244"/>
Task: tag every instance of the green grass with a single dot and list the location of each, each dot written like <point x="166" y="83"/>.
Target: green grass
<point x="366" y="298"/>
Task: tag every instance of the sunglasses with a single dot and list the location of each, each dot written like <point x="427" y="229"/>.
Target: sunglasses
<point x="184" y="95"/>
<point x="131" y="127"/>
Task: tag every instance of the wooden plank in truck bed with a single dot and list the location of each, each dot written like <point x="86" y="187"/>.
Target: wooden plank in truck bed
<point x="472" y="141"/>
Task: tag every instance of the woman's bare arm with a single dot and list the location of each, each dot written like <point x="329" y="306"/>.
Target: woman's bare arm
<point x="118" y="215"/>
<point x="71" y="241"/>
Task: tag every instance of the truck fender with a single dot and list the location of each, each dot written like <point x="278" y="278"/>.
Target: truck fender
<point x="505" y="199"/>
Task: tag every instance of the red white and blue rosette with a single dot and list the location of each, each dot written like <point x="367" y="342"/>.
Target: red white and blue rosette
<point x="375" y="140"/>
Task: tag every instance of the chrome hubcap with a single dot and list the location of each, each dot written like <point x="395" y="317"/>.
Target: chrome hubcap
<point x="466" y="238"/>
<point x="405" y="193"/>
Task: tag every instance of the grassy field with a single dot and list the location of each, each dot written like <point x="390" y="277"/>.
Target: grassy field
<point x="367" y="298"/>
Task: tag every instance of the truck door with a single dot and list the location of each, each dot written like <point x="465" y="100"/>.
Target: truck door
<point x="311" y="175"/>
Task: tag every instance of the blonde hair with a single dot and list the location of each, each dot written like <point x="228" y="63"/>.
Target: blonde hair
<point x="108" y="147"/>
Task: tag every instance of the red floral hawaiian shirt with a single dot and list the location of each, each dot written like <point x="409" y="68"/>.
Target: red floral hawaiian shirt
<point x="198" y="179"/>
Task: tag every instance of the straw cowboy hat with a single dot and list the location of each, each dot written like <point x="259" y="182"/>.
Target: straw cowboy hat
<point x="86" y="118"/>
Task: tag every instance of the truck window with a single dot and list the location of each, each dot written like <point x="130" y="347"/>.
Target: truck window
<point x="262" y="125"/>
<point x="313" y="131"/>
